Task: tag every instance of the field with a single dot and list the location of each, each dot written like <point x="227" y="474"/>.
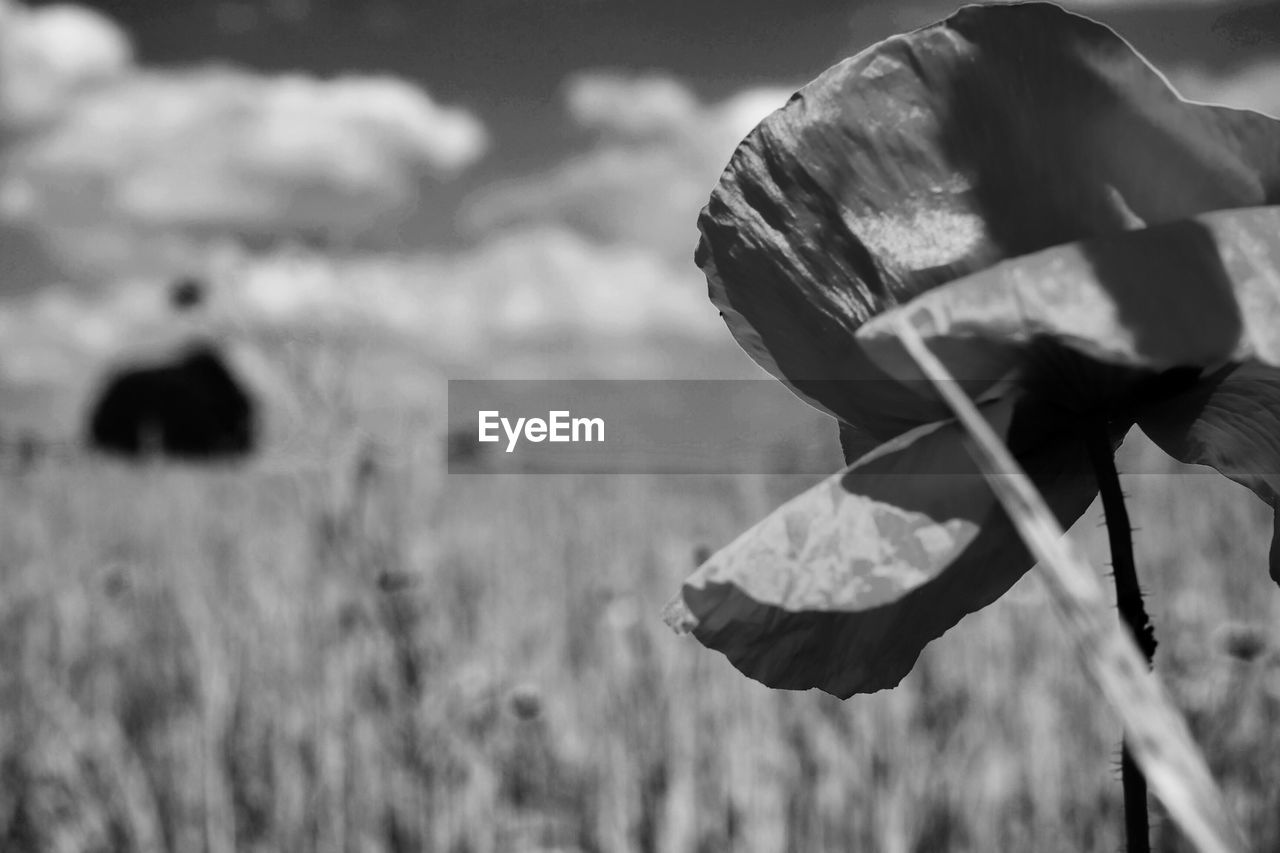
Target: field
<point x="370" y="655"/>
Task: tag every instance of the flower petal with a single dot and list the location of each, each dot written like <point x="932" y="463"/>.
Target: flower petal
<point x="1001" y="131"/>
<point x="1229" y="421"/>
<point x="1196" y="293"/>
<point x="843" y="586"/>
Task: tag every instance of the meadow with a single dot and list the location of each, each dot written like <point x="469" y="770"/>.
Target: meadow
<point x="369" y="654"/>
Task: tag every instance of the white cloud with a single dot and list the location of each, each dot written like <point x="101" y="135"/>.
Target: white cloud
<point x="166" y="156"/>
<point x="591" y="273"/>
<point x="658" y="154"/>
<point x="546" y="281"/>
<point x="603" y="242"/>
<point x="533" y="302"/>
<point x="48" y="56"/>
<point x="136" y="168"/>
<point x="636" y="106"/>
<point x="57" y="335"/>
<point x="526" y="285"/>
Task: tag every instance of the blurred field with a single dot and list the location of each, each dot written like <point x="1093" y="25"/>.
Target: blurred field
<point x="369" y="655"/>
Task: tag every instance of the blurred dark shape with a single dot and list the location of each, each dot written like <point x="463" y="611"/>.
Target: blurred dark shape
<point x="192" y="408"/>
<point x="464" y="450"/>
<point x="352" y="617"/>
<point x="701" y="553"/>
<point x="390" y="581"/>
<point x="115" y="581"/>
<point x="28" y="449"/>
<point x="22" y="451"/>
<point x="1245" y="643"/>
<point x="368" y="469"/>
<point x="187" y="294"/>
<point x="526" y="702"/>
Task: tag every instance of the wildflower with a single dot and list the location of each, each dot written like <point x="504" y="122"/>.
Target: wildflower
<point x="1082" y="248"/>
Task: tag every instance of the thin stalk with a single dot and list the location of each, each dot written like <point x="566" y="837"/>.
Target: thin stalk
<point x="1134" y="614"/>
<point x="1161" y="742"/>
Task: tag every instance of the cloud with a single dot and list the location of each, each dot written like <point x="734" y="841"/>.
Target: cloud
<point x="532" y="302"/>
<point x="639" y="107"/>
<point x="49" y="56"/>
<point x="527" y="285"/>
<point x="1253" y="87"/>
<point x="380" y="331"/>
<point x="657" y="152"/>
<point x="582" y="280"/>
<point x="601" y="245"/>
<point x="130" y="168"/>
<point x="62" y="334"/>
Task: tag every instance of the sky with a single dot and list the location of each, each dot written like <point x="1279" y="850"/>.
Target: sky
<point x="488" y="176"/>
<point x="508" y="61"/>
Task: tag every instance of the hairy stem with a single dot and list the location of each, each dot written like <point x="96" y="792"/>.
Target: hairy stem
<point x="1134" y="614"/>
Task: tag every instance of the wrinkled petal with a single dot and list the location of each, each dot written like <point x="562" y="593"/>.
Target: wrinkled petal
<point x="843" y="586"/>
<point x="999" y="132"/>
<point x="1196" y="293"/>
<point x="1229" y="421"/>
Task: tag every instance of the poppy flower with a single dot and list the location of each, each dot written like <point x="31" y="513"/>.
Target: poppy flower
<point x="1083" y="249"/>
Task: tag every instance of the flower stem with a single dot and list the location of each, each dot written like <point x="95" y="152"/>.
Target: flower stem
<point x="1134" y="614"/>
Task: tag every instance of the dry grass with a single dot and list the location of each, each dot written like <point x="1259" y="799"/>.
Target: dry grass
<point x="370" y="656"/>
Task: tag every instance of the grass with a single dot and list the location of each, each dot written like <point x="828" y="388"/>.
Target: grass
<point x="369" y="655"/>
